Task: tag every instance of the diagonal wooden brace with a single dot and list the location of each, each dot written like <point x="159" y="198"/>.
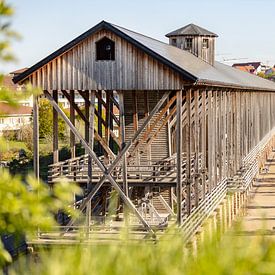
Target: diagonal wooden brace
<point x="106" y="172"/>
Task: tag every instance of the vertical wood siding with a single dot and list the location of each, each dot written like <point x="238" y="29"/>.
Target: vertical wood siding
<point x="132" y="69"/>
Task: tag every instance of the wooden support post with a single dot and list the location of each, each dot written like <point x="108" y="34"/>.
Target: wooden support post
<point x="203" y="143"/>
<point x="179" y="156"/>
<point x="111" y="125"/>
<point x="87" y="114"/>
<point x="210" y="143"/>
<point x="188" y="151"/>
<point x="99" y="122"/>
<point x="35" y="137"/>
<point x="135" y="120"/>
<point x="55" y="129"/>
<point x="196" y="139"/>
<point x="122" y="135"/>
<point x="214" y="139"/>
<point x="106" y="171"/>
<point x="220" y="134"/>
<point x="72" y="119"/>
<point x="91" y="134"/>
<point x="90" y="160"/>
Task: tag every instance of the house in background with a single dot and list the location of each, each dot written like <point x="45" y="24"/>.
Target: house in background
<point x="12" y="119"/>
<point x="251" y="67"/>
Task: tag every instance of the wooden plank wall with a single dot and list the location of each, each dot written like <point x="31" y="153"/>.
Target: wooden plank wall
<point x="132" y="69"/>
<point x="223" y="127"/>
<point x="206" y="54"/>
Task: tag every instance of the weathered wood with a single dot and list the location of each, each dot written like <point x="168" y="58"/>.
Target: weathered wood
<point x="72" y="119"/>
<point x="55" y="129"/>
<point x="188" y="152"/>
<point x="106" y="172"/>
<point x="203" y="143"/>
<point x="86" y="120"/>
<point x="132" y="69"/>
<point x="99" y="118"/>
<point x="196" y="136"/>
<point x="35" y="137"/>
<point x="122" y="137"/>
<point x="179" y="157"/>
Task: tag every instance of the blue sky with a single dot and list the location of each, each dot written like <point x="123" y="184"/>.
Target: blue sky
<point x="245" y="27"/>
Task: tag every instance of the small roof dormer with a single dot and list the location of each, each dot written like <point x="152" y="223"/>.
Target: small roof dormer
<point x="196" y="40"/>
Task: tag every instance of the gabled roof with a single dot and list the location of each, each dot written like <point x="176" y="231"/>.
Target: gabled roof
<point x="189" y="66"/>
<point x="193" y="30"/>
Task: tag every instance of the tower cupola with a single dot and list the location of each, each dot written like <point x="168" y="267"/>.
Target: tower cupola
<point x="196" y="40"/>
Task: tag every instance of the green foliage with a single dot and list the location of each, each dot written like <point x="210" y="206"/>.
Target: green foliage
<point x="46" y="121"/>
<point x="30" y="205"/>
<point x="233" y="255"/>
<point x="26" y="207"/>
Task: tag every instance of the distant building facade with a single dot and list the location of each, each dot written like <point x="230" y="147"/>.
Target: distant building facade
<point x="14" y="118"/>
<point x="251" y="67"/>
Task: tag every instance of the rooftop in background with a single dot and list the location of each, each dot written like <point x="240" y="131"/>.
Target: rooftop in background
<point x="249" y="68"/>
<point x="19" y="71"/>
<point x="256" y="65"/>
<point x="193" y="30"/>
<point x="7" y="82"/>
<point x="7" y="110"/>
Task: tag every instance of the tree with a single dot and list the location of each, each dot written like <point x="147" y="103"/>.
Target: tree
<point x="46" y="121"/>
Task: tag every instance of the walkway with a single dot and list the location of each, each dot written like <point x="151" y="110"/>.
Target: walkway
<point x="260" y="214"/>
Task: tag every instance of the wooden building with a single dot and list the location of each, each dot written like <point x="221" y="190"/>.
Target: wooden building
<point x="188" y="125"/>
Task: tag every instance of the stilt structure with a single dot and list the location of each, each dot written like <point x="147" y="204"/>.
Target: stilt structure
<point x="189" y="127"/>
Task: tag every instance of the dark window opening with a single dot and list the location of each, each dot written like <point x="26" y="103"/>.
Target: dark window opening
<point x="105" y="49"/>
<point x="174" y="42"/>
<point x="205" y="43"/>
<point x="188" y="43"/>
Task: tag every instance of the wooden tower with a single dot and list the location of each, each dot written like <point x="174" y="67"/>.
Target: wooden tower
<point x="196" y="40"/>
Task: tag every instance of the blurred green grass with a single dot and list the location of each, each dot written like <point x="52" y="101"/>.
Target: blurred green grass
<point x="232" y="254"/>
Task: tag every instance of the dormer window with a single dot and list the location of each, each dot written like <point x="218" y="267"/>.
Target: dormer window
<point x="205" y="44"/>
<point x="188" y="43"/>
<point x="105" y="49"/>
<point x="174" y="42"/>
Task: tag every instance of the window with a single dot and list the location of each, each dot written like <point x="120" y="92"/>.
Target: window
<point x="205" y="43"/>
<point x="188" y="43"/>
<point x="174" y="42"/>
<point x="105" y="49"/>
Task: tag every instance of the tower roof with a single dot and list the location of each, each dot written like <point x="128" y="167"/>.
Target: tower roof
<point x="191" y="29"/>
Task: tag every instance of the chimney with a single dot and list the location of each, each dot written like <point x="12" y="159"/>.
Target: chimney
<point x="196" y="40"/>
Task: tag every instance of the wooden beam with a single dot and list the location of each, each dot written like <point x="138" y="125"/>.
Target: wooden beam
<point x="91" y="134"/>
<point x="196" y="136"/>
<point x="179" y="157"/>
<point x="96" y="135"/>
<point x="55" y="129"/>
<point x="90" y="160"/>
<point x="99" y="119"/>
<point x="106" y="172"/>
<point x="153" y="125"/>
<point x="188" y="151"/>
<point x="122" y="137"/>
<point x="203" y="143"/>
<point x="122" y="152"/>
<point x="87" y="114"/>
<point x="35" y="137"/>
<point x="72" y="119"/>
